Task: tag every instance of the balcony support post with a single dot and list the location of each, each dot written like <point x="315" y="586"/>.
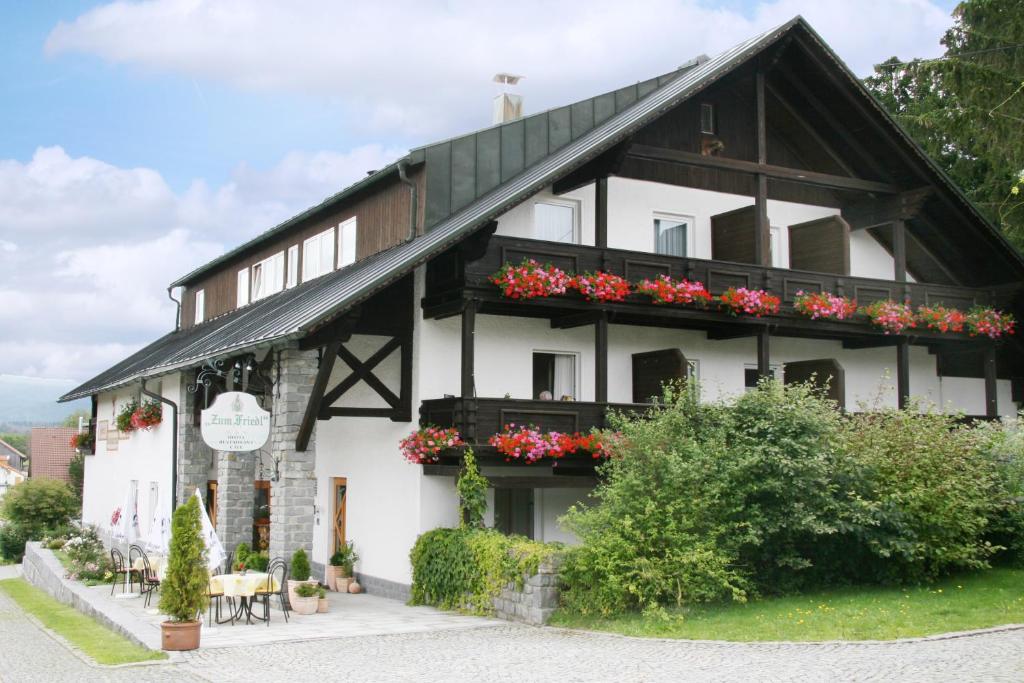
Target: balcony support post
<point x="762" y="231"/>
<point x="764" y="366"/>
<point x="601" y="212"/>
<point x="903" y="373"/>
<point x="601" y="359"/>
<point x="899" y="254"/>
<point x="991" y="397"/>
<point x="468" y="383"/>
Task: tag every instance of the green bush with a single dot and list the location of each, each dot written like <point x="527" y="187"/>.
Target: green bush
<point x="12" y="542"/>
<point x="258" y="562"/>
<point x="466" y="568"/>
<point x="184" y="588"/>
<point x="300" y="566"/>
<point x="345" y="557"/>
<point x="242" y="552"/>
<point x="1003" y="444"/>
<point x="39" y="506"/>
<point x="472" y="488"/>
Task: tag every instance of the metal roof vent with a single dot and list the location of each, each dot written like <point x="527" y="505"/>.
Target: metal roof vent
<point x="507" y="106"/>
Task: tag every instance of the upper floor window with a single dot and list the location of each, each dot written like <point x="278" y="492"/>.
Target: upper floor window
<point x="268" y="276"/>
<point x="243" y="288"/>
<point x="200" y="306"/>
<point x="292" y="278"/>
<point x="707" y="119"/>
<point x="556" y="221"/>
<point x="673" y="235"/>
<point x="554" y="376"/>
<point x="347" y="243"/>
<point x="318" y="255"/>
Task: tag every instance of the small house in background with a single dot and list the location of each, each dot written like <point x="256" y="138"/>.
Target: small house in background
<point x="15" y="458"/>
<point x="51" y="452"/>
<point x="9" y="475"/>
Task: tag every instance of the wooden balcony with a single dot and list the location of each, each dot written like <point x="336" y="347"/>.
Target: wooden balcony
<point x="461" y="275"/>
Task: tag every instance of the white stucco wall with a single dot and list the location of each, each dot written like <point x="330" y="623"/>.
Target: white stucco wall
<point x="145" y="456"/>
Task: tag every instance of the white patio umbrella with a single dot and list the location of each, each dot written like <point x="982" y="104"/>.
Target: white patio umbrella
<point x="214" y="550"/>
<point x="127" y="528"/>
<point x="159" y="538"/>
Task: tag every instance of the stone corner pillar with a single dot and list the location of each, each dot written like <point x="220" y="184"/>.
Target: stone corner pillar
<point x="193" y="455"/>
<point x="292" y="495"/>
<point x="236" y="474"/>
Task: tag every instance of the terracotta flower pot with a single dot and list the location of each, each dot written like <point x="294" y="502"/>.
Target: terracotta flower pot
<point x="322" y="605"/>
<point x="302" y="605"/>
<point x="333" y="575"/>
<point x="355" y="587"/>
<point x="180" y="636"/>
<point x="293" y="584"/>
<point x="342" y="583"/>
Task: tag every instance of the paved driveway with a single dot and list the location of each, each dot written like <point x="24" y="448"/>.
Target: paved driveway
<point x="522" y="653"/>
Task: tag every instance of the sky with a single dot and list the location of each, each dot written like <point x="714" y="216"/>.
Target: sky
<point x="139" y="140"/>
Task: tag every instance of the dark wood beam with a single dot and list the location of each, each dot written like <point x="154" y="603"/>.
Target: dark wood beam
<point x="899" y="251"/>
<point x="818" y="140"/>
<point x="601" y="212"/>
<point x="358" y="412"/>
<point x="764" y="366"/>
<point x="870" y="342"/>
<point x="363" y="370"/>
<point x="475" y="246"/>
<point x="468" y="381"/>
<point x="606" y="164"/>
<point x="405" y="386"/>
<point x="991" y="393"/>
<point x="340" y="329"/>
<point x="903" y="373"/>
<point x="567" y="322"/>
<point x="601" y="359"/>
<point x="316" y="395"/>
<point x="518" y="482"/>
<point x="777" y="172"/>
<point x="732" y="333"/>
<point x="870" y="213"/>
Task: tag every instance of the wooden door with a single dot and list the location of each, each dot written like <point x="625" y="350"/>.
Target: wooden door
<point x="211" y="501"/>
<point x="338" y="513"/>
<point x="261" y="515"/>
<point x="513" y="511"/>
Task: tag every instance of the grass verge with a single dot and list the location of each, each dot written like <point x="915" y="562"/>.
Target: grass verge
<point x="991" y="598"/>
<point x="97" y="641"/>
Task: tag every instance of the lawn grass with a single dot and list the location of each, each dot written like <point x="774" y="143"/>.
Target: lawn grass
<point x="97" y="641"/>
<point x="979" y="600"/>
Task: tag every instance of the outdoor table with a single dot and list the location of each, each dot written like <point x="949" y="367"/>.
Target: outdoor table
<point x="157" y="563"/>
<point x="244" y="587"/>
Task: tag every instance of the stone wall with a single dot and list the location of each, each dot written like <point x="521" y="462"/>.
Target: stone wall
<point x="536" y="600"/>
<point x="194" y="456"/>
<point x="292" y="496"/>
<point x="236" y="473"/>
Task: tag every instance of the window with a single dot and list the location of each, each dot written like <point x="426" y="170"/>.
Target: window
<point x="200" y="305"/>
<point x="347" y="243"/>
<point x="554" y="376"/>
<point x="672" y="234"/>
<point x="243" y="287"/>
<point x="776" y="246"/>
<point x="750" y="375"/>
<point x="707" y="119"/>
<point x="293" y="266"/>
<point x="318" y="255"/>
<point x="555" y="222"/>
<point x="268" y="276"/>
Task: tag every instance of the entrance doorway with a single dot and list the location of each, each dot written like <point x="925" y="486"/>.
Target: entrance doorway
<point x="261" y="515"/>
<point x="338" y="513"/>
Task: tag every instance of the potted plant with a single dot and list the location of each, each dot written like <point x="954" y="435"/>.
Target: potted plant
<point x="307" y="598"/>
<point x="299" y="574"/>
<point x="322" y="604"/>
<point x="184" y="588"/>
<point x="339" y="568"/>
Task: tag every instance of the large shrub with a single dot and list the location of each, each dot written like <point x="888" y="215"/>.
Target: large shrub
<point x="1003" y="444"/>
<point x="38" y="506"/>
<point x="185" y="586"/>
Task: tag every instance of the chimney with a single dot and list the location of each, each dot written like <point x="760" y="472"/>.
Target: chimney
<point x="507" y="106"/>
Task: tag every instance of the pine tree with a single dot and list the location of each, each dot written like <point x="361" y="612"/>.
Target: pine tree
<point x="184" y="588"/>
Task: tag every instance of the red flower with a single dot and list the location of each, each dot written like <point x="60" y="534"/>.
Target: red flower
<point x="425" y="445"/>
<point x="891" y="316"/>
<point x="601" y="286"/>
<point x="756" y="302"/>
<point x="665" y="290"/>
<point x="529" y="444"/>
<point x="941" y="319"/>
<point x="989" y="322"/>
<point x="530" y="280"/>
<point x="824" y="305"/>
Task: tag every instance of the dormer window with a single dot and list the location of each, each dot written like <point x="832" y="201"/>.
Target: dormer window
<point x="268" y="276"/>
<point x="200" y="306"/>
<point x="318" y="255"/>
<point x="347" y="232"/>
<point x="707" y="119"/>
<point x="242" y="288"/>
<point x="293" y="266"/>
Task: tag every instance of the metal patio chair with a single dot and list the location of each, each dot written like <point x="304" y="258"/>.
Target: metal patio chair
<point x="276" y="570"/>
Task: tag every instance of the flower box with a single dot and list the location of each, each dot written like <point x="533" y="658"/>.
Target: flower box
<point x="665" y="290"/>
<point x="424" y="445"/>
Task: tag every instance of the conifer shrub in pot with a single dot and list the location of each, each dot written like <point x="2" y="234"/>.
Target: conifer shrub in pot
<point x="299" y="574"/>
<point x="307" y="598"/>
<point x="184" y="589"/>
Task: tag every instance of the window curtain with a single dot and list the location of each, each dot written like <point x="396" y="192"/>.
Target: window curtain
<point x="670" y="237"/>
<point x="564" y="383"/>
<point x="554" y="222"/>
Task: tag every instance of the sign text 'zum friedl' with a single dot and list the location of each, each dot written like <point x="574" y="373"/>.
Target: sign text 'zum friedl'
<point x="235" y="423"/>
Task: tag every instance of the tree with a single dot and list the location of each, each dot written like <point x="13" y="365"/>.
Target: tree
<point x="18" y="441"/>
<point x="966" y="108"/>
<point x="39" y="506"/>
<point x="72" y="419"/>
<point x="183" y="590"/>
<point x="76" y="473"/>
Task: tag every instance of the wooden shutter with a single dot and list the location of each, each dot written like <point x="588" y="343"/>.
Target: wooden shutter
<point x="732" y="236"/>
<point x="826" y="371"/>
<point x="821" y="245"/>
<point x="654" y="368"/>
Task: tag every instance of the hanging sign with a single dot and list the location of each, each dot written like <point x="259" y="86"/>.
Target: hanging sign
<point x="235" y="423"/>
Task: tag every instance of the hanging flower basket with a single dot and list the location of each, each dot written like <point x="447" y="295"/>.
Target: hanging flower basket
<point x="147" y="415"/>
<point x="755" y="302"/>
<point x="83" y="442"/>
<point x="817" y="305"/>
<point x="601" y="286"/>
<point x="941" y="319"/>
<point x="989" y="322"/>
<point x="124" y="417"/>
<point x="891" y="316"/>
<point x="665" y="290"/>
<point x="529" y="444"/>
<point x="530" y="280"/>
<point x="424" y="445"/>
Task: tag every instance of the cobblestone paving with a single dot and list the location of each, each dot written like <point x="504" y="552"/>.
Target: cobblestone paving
<point x="523" y="653"/>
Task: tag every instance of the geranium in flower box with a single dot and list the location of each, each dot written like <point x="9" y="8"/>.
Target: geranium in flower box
<point x="893" y="317"/>
<point x="601" y="286"/>
<point x="83" y="442"/>
<point x="147" y="415"/>
<point x="941" y="319"/>
<point x="817" y="305"/>
<point x="665" y="290"/>
<point x="530" y="280"/>
<point x="424" y="446"/>
<point x="989" y="322"/>
<point x="756" y="302"/>
<point x="529" y="444"/>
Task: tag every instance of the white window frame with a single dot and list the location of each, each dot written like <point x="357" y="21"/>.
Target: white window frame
<point x="691" y="233"/>
<point x="292" y="276"/>
<point x="347" y="253"/>
<point x="709" y="109"/>
<point x="269" y="274"/>
<point x="775" y="245"/>
<point x="573" y="204"/>
<point x="317" y="266"/>
<point x="577" y="370"/>
<point x="242" y="292"/>
<point x="200" y="306"/>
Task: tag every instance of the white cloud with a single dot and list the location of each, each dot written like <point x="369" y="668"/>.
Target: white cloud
<point x="425" y="67"/>
<point x="98" y="245"/>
